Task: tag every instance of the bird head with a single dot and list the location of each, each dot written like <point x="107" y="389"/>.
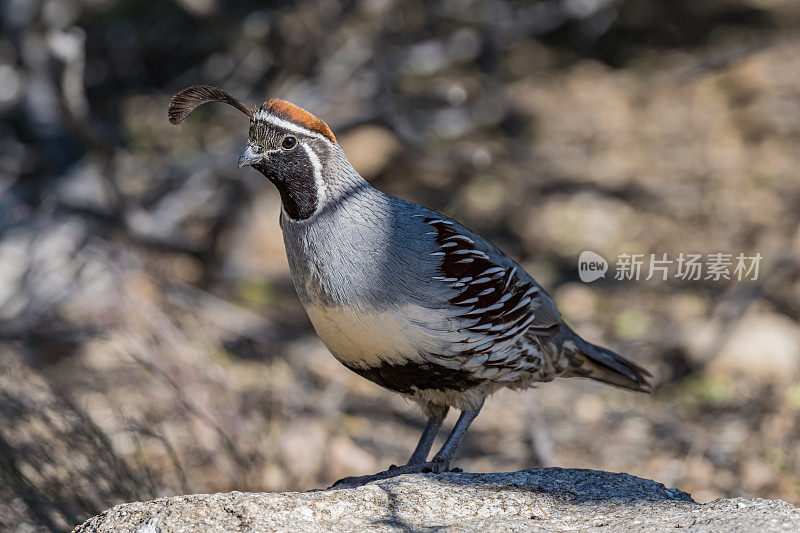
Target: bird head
<point x="291" y="147"/>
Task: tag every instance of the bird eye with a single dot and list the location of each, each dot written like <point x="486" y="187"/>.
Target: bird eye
<point x="289" y="142"/>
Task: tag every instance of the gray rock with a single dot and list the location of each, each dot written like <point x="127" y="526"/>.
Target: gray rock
<point x="549" y="499"/>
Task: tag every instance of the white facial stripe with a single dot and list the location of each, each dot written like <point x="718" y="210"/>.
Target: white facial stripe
<point x="258" y="150"/>
<point x="285" y="124"/>
<point x="320" y="183"/>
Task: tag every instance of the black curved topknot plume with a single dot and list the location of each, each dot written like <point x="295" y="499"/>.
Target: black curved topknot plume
<point x="188" y="99"/>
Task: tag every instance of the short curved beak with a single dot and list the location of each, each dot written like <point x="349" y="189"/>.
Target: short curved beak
<point x="249" y="157"/>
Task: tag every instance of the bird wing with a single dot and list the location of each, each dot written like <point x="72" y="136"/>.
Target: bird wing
<point x="493" y="303"/>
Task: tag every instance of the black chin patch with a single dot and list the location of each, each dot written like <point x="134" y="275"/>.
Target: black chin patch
<point x="293" y="174"/>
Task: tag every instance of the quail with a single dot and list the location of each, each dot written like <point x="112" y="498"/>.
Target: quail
<point x="402" y="295"/>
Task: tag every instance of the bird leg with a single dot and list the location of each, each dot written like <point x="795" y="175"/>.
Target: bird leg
<point x="428" y="436"/>
<point x="445" y="455"/>
<point x="417" y="464"/>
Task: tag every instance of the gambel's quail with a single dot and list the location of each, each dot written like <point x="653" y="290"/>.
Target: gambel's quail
<point x="404" y="296"/>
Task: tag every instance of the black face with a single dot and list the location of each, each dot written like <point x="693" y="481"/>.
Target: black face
<point x="286" y="162"/>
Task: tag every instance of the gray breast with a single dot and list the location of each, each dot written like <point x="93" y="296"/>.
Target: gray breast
<point x="364" y="273"/>
<point x="367" y="250"/>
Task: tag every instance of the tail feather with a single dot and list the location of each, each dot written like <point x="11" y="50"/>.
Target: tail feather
<point x="595" y="362"/>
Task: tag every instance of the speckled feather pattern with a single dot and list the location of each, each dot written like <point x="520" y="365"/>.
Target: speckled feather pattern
<point x="369" y="270"/>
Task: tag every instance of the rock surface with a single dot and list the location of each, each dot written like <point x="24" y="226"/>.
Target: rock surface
<point x="550" y="499"/>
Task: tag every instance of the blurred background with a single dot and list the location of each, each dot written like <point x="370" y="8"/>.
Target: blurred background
<point x="150" y="339"/>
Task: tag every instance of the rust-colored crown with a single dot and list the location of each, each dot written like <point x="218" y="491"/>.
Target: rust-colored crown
<point x="288" y="111"/>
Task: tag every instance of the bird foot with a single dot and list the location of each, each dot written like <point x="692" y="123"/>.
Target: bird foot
<point x="433" y="467"/>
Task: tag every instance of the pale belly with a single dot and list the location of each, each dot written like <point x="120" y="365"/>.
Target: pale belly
<point x="389" y="349"/>
<point x="362" y="339"/>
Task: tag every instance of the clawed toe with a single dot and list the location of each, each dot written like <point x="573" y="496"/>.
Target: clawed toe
<point x="418" y="468"/>
<point x="434" y="468"/>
